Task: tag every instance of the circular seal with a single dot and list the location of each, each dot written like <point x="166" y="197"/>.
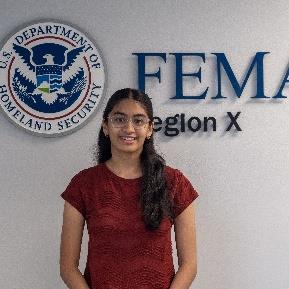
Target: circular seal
<point x="51" y="78"/>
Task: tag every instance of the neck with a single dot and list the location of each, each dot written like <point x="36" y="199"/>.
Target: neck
<point x="125" y="165"/>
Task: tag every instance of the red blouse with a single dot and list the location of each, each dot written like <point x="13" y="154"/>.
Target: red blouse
<point x="122" y="253"/>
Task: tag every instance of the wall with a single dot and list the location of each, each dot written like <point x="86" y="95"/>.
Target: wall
<point x="242" y="176"/>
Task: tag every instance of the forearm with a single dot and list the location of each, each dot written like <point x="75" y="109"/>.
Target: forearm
<point x="74" y="279"/>
<point x="184" y="277"/>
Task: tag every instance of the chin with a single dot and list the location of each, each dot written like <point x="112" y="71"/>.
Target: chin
<point x="128" y="149"/>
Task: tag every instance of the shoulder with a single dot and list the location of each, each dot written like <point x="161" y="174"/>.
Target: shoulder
<point x="176" y="179"/>
<point x="181" y="189"/>
<point x="173" y="176"/>
<point x="172" y="173"/>
<point x="87" y="175"/>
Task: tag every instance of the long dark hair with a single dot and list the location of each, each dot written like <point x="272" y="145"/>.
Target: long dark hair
<point x="154" y="196"/>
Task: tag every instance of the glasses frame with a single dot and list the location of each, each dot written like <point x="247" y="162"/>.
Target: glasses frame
<point x="128" y="119"/>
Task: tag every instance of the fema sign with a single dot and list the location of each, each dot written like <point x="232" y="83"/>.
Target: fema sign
<point x="51" y="78"/>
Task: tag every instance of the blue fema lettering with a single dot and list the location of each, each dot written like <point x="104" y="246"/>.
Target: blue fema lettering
<point x="221" y="63"/>
<point x="285" y="80"/>
<point x="257" y="61"/>
<point x="179" y="76"/>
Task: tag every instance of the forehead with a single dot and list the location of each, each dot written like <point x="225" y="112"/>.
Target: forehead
<point x="129" y="107"/>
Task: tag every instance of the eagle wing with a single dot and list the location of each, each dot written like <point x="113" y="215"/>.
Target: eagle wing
<point x="71" y="56"/>
<point x="25" y="55"/>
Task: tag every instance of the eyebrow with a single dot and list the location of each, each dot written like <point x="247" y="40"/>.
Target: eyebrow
<point x="137" y="114"/>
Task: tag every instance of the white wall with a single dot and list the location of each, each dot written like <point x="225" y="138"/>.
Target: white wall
<point x="242" y="177"/>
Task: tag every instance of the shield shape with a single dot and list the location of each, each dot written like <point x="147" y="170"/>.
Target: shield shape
<point x="49" y="78"/>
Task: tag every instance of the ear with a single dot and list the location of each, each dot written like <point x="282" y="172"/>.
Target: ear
<point x="104" y="127"/>
<point x="150" y="130"/>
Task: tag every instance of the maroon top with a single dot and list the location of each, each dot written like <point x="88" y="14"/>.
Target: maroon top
<point x="122" y="253"/>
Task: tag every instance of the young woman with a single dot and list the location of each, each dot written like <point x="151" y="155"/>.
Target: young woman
<point x="129" y="200"/>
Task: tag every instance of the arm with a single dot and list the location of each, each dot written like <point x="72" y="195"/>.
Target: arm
<point x="185" y="235"/>
<point x="70" y="247"/>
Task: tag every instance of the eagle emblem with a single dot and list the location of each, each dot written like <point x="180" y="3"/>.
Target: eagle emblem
<point x="48" y="80"/>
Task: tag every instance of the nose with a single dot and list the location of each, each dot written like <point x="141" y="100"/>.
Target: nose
<point x="129" y="126"/>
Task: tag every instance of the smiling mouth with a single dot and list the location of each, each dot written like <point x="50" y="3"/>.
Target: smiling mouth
<point x="128" y="138"/>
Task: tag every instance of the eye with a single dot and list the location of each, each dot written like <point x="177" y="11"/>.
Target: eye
<point x="119" y="119"/>
<point x="139" y="120"/>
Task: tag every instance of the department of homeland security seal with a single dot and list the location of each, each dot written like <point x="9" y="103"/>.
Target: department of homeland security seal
<point x="51" y="78"/>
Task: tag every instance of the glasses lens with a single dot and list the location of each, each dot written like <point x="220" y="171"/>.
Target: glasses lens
<point x="119" y="120"/>
<point x="139" y="121"/>
<point x="122" y="120"/>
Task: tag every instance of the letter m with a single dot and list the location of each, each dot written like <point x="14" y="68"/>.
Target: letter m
<point x="9" y="106"/>
<point x="238" y="88"/>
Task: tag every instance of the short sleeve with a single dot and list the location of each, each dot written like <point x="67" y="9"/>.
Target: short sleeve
<point x="73" y="193"/>
<point x="184" y="193"/>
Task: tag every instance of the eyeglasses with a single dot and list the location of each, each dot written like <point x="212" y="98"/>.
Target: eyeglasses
<point x="120" y="121"/>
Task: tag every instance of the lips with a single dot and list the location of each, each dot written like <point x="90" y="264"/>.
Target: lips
<point x="128" y="138"/>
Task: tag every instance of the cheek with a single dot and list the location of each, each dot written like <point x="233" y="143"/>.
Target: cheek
<point x="112" y="131"/>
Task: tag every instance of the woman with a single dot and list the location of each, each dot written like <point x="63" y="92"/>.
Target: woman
<point x="129" y="200"/>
